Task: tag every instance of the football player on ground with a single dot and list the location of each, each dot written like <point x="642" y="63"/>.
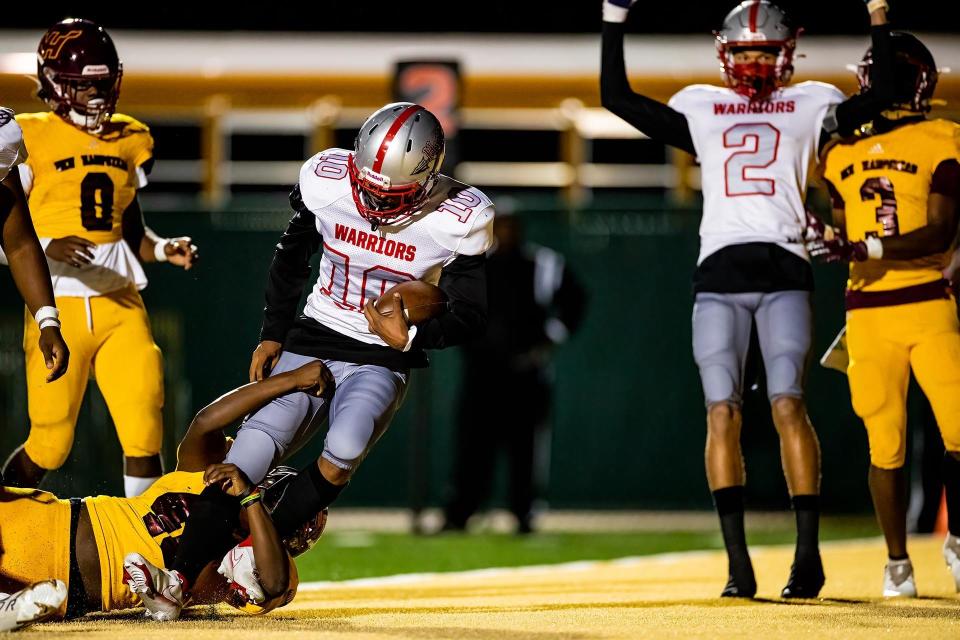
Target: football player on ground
<point x="20" y="249"/>
<point x="381" y="214"/>
<point x="755" y="139"/>
<point x="895" y="195"/>
<point x="85" y="166"/>
<point x="82" y="542"/>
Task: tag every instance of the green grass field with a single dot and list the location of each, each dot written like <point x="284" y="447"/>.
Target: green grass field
<point x="343" y="555"/>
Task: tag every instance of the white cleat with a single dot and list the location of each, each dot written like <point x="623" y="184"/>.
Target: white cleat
<point x="951" y="553"/>
<point x="898" y="579"/>
<point x="39" y="602"/>
<point x="160" y="590"/>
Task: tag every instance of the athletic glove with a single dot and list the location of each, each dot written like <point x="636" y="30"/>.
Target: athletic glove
<point x="838" y="249"/>
<point x="616" y="10"/>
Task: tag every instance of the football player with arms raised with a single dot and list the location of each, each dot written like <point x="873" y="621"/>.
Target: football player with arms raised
<point x="102" y="548"/>
<point x="20" y="249"/>
<point x="754" y="138"/>
<point x="85" y="166"/>
<point x="895" y="192"/>
<point x="381" y="215"/>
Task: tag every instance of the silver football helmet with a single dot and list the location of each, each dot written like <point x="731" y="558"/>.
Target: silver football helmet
<point x="396" y="160"/>
<point x="757" y="24"/>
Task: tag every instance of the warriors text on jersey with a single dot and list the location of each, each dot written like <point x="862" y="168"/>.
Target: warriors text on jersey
<point x="80" y="184"/>
<point x="360" y="264"/>
<point x="884" y="181"/>
<point x="12" y="150"/>
<point x="754" y="159"/>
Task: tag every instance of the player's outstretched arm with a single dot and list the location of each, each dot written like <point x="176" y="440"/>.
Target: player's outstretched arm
<point x="204" y="441"/>
<point x="30" y="272"/>
<point x="273" y="569"/>
<point x="653" y="118"/>
<point x="864" y="107"/>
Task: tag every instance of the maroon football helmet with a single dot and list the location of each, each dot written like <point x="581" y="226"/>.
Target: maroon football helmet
<point x="914" y="73"/>
<point x="79" y="72"/>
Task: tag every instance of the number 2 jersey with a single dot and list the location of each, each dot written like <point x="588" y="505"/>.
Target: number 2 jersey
<point x="883" y="182"/>
<point x="444" y="241"/>
<point x="754" y="158"/>
<point x="79" y="184"/>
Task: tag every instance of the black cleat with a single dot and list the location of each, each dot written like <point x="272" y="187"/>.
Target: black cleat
<point x="806" y="578"/>
<point x="741" y="583"/>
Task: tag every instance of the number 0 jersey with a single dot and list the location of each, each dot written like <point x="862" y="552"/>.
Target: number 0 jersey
<point x="80" y="184"/>
<point x="884" y="181"/>
<point x="12" y="149"/>
<point x="360" y="264"/>
<point x="754" y="159"/>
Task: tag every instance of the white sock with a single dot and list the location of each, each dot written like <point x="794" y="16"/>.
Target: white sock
<point x="133" y="486"/>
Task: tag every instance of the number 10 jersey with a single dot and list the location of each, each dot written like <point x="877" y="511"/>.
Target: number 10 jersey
<point x="754" y="159"/>
<point x="79" y="184"/>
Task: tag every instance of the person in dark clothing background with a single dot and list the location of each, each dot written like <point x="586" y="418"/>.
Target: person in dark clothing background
<point x="534" y="303"/>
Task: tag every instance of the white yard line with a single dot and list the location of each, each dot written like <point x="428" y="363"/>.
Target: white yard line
<point x="661" y="559"/>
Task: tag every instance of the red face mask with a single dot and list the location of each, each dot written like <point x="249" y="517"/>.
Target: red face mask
<point x="754" y="79"/>
<point x="382" y="204"/>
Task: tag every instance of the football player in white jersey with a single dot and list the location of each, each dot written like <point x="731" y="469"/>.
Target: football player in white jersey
<point x="380" y="215"/>
<point x="22" y="251"/>
<point x="755" y="138"/>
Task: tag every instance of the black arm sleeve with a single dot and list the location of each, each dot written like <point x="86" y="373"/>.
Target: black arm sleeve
<point x="864" y="107"/>
<point x="465" y="282"/>
<point x="132" y="226"/>
<point x="655" y="119"/>
<point x="289" y="270"/>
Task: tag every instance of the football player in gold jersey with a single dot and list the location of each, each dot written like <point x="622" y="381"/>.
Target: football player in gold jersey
<point x="83" y="542"/>
<point x="85" y="166"/>
<point x="895" y="194"/>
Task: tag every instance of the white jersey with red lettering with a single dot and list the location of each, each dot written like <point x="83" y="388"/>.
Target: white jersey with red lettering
<point x="360" y="264"/>
<point x="754" y="159"/>
<point x="12" y="150"/>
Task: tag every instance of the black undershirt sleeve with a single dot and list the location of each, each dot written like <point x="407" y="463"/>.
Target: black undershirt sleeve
<point x="655" y="119"/>
<point x="465" y="282"/>
<point x="289" y="270"/>
<point x="863" y="107"/>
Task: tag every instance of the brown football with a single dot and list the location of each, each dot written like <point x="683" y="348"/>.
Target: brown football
<point x="421" y="301"/>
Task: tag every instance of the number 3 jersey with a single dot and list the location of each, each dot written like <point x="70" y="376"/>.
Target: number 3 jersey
<point x="79" y="184"/>
<point x="883" y="182"/>
<point x="754" y="159"/>
<point x="359" y="264"/>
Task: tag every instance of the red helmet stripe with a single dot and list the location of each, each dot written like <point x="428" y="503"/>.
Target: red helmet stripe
<point x="387" y="139"/>
<point x="754" y="10"/>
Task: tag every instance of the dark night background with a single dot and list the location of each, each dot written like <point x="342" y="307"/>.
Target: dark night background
<point x="499" y="16"/>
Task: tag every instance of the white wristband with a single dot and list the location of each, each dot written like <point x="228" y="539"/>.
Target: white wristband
<point x="411" y="334"/>
<point x="47" y="313"/>
<point x="613" y="13"/>
<point x="874" y="248"/>
<point x="873" y="5"/>
<point x="49" y="322"/>
<point x="159" y="250"/>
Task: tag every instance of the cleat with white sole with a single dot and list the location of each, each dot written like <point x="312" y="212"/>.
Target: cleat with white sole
<point x="951" y="553"/>
<point x="898" y="579"/>
<point x="160" y="590"/>
<point x="39" y="602"/>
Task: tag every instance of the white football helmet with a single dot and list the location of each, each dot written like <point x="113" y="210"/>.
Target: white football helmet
<point x="397" y="156"/>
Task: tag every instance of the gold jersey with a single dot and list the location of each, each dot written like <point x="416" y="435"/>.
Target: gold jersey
<point x="148" y="524"/>
<point x="884" y="181"/>
<point x="81" y="182"/>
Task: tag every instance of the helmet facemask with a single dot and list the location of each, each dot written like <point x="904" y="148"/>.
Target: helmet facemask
<point x="379" y="201"/>
<point x="915" y="77"/>
<point x="87" y="102"/>
<point x="273" y="489"/>
<point x="757" y="80"/>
